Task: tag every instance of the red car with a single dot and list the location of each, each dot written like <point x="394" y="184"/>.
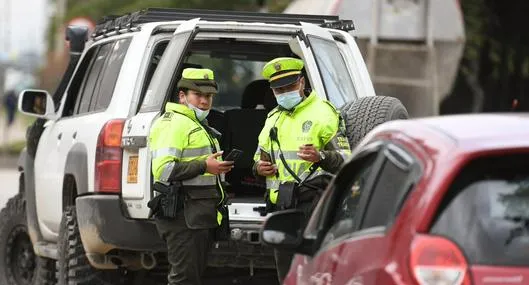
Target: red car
<point x="429" y="201"/>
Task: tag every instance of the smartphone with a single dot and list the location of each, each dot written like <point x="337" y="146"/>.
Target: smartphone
<point x="265" y="156"/>
<point x="234" y="155"/>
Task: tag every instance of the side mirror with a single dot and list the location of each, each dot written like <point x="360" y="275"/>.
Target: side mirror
<point x="284" y="230"/>
<point x="36" y="103"/>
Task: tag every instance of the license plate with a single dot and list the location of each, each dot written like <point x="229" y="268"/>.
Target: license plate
<point x="132" y="174"/>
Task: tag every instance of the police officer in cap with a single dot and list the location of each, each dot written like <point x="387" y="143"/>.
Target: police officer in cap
<point x="188" y="171"/>
<point x="302" y="137"/>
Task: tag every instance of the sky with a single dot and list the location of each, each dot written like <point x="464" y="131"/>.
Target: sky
<point x="23" y="26"/>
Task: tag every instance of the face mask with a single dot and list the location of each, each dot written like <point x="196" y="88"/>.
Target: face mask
<point x="201" y="114"/>
<point x="288" y="100"/>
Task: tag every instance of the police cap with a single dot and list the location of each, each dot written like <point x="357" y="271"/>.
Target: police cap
<point x="198" y="79"/>
<point x="283" y="71"/>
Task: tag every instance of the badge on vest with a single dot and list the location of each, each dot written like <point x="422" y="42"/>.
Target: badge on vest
<point x="306" y="126"/>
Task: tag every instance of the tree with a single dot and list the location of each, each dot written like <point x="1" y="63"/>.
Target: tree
<point x="495" y="67"/>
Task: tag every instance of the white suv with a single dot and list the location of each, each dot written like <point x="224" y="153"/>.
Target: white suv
<point x="83" y="200"/>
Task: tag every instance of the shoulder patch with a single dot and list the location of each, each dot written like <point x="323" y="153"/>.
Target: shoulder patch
<point x="167" y="116"/>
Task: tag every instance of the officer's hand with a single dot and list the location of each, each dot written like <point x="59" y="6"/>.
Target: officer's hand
<point x="309" y="153"/>
<point x="215" y="167"/>
<point x="266" y="168"/>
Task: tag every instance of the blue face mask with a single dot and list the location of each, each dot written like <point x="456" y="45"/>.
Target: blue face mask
<point x="288" y="100"/>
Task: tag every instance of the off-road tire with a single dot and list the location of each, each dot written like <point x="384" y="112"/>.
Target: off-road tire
<point x="73" y="265"/>
<point x="18" y="263"/>
<point x="364" y="114"/>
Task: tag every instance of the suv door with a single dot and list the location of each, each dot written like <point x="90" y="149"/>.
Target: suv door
<point x="58" y="138"/>
<point x="136" y="171"/>
<point x="326" y="67"/>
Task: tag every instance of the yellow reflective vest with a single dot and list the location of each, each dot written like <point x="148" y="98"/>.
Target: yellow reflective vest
<point x="313" y="121"/>
<point x="177" y="136"/>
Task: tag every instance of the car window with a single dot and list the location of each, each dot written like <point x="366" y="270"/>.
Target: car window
<point x="333" y="69"/>
<point x="103" y="94"/>
<point x="486" y="212"/>
<point x="153" y="64"/>
<point x="81" y="73"/>
<point x="151" y="100"/>
<point x="92" y="79"/>
<point x="232" y="77"/>
<point x="393" y="181"/>
<point x="349" y="194"/>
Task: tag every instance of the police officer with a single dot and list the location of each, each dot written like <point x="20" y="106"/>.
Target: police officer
<point x="188" y="171"/>
<point x="302" y="137"/>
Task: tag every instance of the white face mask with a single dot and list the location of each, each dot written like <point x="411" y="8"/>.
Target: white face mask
<point x="199" y="113"/>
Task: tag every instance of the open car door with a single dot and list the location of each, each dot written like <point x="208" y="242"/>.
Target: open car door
<point x="326" y="68"/>
<point x="136" y="165"/>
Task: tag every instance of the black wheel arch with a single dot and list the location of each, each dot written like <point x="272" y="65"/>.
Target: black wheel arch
<point x="75" y="181"/>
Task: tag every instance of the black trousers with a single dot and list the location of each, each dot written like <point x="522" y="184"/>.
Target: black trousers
<point x="187" y="250"/>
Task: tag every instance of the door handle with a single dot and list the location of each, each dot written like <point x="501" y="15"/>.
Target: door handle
<point x="74" y="135"/>
<point x="59" y="136"/>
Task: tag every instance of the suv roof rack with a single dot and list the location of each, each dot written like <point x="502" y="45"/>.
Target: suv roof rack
<point x="129" y="21"/>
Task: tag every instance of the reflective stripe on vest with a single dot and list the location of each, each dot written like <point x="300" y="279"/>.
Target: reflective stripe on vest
<point x="167" y="170"/>
<point x="187" y="153"/>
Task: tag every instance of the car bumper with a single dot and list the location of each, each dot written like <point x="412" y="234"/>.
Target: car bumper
<point x="104" y="227"/>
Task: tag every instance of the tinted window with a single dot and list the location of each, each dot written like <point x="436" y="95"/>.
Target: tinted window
<point x="393" y="180"/>
<point x="232" y="77"/>
<point x="348" y="198"/>
<point x="102" y="97"/>
<point x="335" y="75"/>
<point x="155" y="94"/>
<point x="92" y="79"/>
<point x="74" y="94"/>
<point x="487" y="212"/>
<point x="155" y="59"/>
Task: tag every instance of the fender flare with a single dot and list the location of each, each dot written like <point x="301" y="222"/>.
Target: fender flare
<point x="77" y="166"/>
<point x="26" y="166"/>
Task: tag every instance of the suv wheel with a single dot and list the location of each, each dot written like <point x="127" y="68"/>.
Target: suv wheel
<point x="73" y="266"/>
<point x="18" y="263"/>
<point x="364" y="114"/>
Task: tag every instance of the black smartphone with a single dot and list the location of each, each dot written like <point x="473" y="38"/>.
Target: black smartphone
<point x="265" y="156"/>
<point x="234" y="155"/>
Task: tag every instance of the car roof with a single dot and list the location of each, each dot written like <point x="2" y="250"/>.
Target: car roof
<point x="464" y="133"/>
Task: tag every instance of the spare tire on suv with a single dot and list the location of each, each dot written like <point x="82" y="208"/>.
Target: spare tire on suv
<point x="364" y="114"/>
